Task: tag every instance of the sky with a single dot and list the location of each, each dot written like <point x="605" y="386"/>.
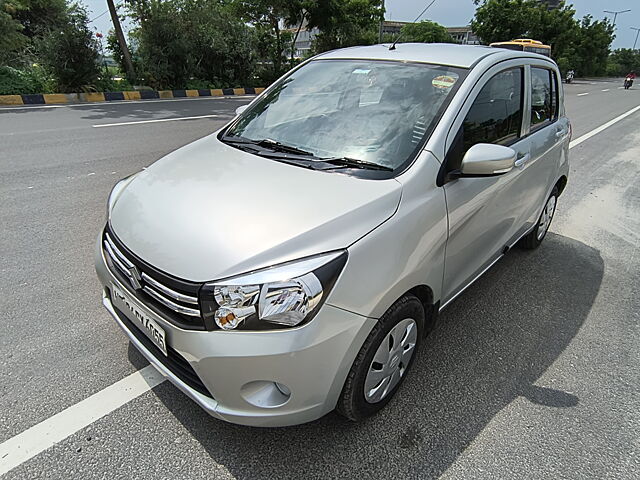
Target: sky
<point x="454" y="13"/>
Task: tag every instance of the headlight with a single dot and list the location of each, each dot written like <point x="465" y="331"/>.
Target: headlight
<point x="277" y="297"/>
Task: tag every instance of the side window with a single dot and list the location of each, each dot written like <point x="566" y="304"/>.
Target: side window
<point x="544" y="97"/>
<point x="496" y="113"/>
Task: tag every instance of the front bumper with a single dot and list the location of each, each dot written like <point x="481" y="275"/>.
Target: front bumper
<point x="239" y="369"/>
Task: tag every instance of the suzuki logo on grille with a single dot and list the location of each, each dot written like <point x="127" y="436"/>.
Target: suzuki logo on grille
<point x="134" y="278"/>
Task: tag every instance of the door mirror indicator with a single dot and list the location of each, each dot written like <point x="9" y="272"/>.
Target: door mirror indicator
<point x="487" y="159"/>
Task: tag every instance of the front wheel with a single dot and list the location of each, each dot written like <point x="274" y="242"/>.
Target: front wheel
<point x="535" y="237"/>
<point x="383" y="361"/>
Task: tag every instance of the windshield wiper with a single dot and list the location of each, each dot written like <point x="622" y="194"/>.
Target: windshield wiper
<point x="268" y="144"/>
<point x="355" y="163"/>
<point x="281" y="147"/>
<point x="303" y="155"/>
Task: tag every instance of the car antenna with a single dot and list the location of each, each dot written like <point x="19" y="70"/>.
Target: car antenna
<point x="393" y="45"/>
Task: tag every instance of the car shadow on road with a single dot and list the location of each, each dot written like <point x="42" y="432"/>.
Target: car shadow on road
<point x="490" y="348"/>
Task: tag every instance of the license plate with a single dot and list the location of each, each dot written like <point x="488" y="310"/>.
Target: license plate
<point x="139" y="317"/>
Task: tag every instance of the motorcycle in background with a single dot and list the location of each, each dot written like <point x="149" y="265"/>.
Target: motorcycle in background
<point x="569" y="77"/>
<point x="627" y="83"/>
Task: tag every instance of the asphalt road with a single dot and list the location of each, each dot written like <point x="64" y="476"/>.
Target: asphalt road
<point x="532" y="373"/>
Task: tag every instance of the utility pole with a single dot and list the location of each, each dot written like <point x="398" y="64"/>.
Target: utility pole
<point x="637" y="33"/>
<point x="381" y="24"/>
<point x="131" y="74"/>
<point x="615" y="14"/>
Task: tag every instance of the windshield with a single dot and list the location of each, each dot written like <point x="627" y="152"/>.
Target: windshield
<point x="376" y="112"/>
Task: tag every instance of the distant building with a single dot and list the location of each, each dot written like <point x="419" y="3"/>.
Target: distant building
<point x="463" y="35"/>
<point x="551" y="3"/>
<point x="303" y="42"/>
<point x="392" y="27"/>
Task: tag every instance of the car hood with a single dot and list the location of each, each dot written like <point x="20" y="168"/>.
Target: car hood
<point x="209" y="211"/>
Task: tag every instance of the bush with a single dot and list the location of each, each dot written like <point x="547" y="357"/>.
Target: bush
<point x="182" y="43"/>
<point x="70" y="52"/>
<point x="106" y="84"/>
<point x="198" y="83"/>
<point x="34" y="79"/>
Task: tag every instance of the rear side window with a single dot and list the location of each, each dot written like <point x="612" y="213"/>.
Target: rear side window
<point x="544" y="97"/>
<point x="496" y="113"/>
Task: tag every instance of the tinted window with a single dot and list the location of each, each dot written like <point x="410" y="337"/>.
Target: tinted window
<point x="544" y="97"/>
<point x="540" y="50"/>
<point x="496" y="113"/>
<point x="511" y="46"/>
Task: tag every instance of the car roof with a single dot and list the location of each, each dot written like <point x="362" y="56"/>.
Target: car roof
<point x="451" y="54"/>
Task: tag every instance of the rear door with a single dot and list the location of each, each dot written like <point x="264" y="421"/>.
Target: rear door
<point x="547" y="132"/>
<point x="484" y="213"/>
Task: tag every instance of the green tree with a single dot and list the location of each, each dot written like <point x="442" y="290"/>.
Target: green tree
<point x="579" y="45"/>
<point x="220" y="44"/>
<point x="49" y="44"/>
<point x="592" y="46"/>
<point x="199" y="43"/>
<point x="268" y="18"/>
<point x="556" y="27"/>
<point x="500" y="20"/>
<point x="623" y="61"/>
<point x="345" y="23"/>
<point x="12" y="40"/>
<point x="69" y="51"/>
<point x="425" y="32"/>
<point x="40" y="16"/>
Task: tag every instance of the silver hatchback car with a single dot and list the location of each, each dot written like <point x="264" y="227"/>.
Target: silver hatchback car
<point x="291" y="263"/>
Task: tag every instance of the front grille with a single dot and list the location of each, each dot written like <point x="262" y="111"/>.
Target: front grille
<point x="175" y="362"/>
<point x="174" y="299"/>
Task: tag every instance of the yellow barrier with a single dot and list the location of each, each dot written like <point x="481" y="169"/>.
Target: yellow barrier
<point x="52" y="98"/>
<point x="94" y="97"/>
<point x="55" y="98"/>
<point x="131" y="95"/>
<point x="11" y="100"/>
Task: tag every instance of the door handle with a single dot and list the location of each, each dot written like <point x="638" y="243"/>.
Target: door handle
<point x="522" y="160"/>
<point x="560" y="133"/>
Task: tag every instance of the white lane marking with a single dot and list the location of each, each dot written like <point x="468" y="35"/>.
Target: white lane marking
<point x="89" y="174"/>
<point x="588" y="135"/>
<point x="606" y="89"/>
<point x="620" y="88"/>
<point x="152" y="121"/>
<point x="583" y="94"/>
<point x="47" y="433"/>
<point x="119" y="102"/>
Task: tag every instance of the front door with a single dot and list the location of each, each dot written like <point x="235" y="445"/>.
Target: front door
<point x="484" y="213"/>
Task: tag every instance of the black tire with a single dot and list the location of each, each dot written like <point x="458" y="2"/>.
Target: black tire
<point x="352" y="403"/>
<point x="533" y="240"/>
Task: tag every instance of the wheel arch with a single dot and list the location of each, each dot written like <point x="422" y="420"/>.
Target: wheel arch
<point x="424" y="293"/>
<point x="561" y="184"/>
